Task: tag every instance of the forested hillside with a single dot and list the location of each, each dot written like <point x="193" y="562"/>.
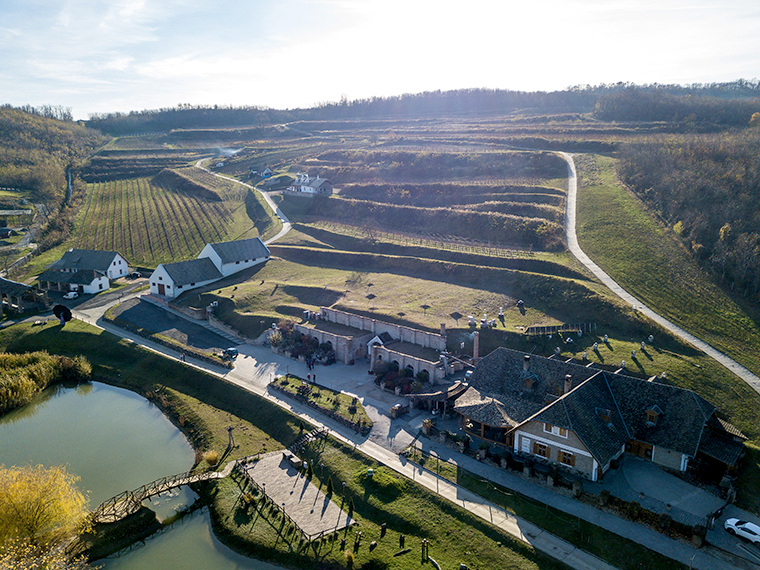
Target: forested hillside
<point x="707" y="187"/>
<point x="35" y="150"/>
<point x="721" y="103"/>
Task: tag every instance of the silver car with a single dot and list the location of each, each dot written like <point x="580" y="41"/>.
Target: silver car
<point x="745" y="529"/>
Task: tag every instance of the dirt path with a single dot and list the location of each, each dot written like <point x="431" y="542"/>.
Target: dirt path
<point x="572" y="244"/>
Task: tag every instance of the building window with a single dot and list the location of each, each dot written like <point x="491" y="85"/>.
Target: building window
<point x="160" y="278"/>
<point x="100" y="285"/>
<point x="237" y="263"/>
<point x="555" y="430"/>
<point x="541" y="450"/>
<point x="651" y="417"/>
<point x="567" y="458"/>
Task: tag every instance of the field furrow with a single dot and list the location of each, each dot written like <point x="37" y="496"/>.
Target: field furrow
<point x="214" y="216"/>
<point x="148" y="235"/>
<point x="178" y="214"/>
<point x="160" y="218"/>
<point x="124" y="245"/>
<point x="81" y="233"/>
<point x="135" y="230"/>
<point x="187" y="206"/>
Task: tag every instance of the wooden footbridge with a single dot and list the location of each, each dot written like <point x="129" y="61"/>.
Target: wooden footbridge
<point x="129" y="502"/>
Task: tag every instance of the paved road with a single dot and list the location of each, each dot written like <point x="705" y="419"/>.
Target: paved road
<point x="286" y="226"/>
<point x="572" y="243"/>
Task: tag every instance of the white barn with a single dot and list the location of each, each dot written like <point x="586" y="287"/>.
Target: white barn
<point x="233" y="256"/>
<point x="173" y="279"/>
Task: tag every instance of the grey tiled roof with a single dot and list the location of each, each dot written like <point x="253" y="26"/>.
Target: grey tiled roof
<point x="500" y="375"/>
<point x="192" y="271"/>
<point x="684" y="414"/>
<point x="582" y="409"/>
<point x="484" y="409"/>
<point x="12" y="288"/>
<point x="499" y="396"/>
<point x="725" y="428"/>
<point x="85" y="259"/>
<point x="240" y="250"/>
<point x="82" y="277"/>
<point x="721" y="448"/>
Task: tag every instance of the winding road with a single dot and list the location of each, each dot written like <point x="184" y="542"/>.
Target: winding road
<point x="572" y="244"/>
<point x="286" y="226"/>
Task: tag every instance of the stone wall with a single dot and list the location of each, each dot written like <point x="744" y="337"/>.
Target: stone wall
<point x="383" y="353"/>
<point x="346" y="348"/>
<point x="398" y="332"/>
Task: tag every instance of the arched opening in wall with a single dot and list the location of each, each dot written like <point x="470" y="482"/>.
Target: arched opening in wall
<point x="326" y="346"/>
<point x="410" y="371"/>
<point x="423" y="375"/>
<point x="395" y="366"/>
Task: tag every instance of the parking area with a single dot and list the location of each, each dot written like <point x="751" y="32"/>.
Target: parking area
<point x="143" y="314"/>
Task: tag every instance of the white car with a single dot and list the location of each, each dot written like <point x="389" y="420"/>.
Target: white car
<point x="745" y="529"/>
<point x="71" y="295"/>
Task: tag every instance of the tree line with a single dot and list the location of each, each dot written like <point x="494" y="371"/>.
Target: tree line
<point x="706" y="187"/>
<point x="617" y="101"/>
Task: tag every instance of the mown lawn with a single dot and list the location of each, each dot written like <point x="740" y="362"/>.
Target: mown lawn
<point x="344" y="405"/>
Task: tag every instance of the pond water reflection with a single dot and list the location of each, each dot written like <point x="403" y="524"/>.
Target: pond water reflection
<point x="115" y="440"/>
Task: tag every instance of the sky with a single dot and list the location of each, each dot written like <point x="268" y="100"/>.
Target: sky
<point x="100" y="56"/>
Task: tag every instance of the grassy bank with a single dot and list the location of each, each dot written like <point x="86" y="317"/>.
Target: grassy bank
<point x="618" y="551"/>
<point x="455" y="535"/>
<point x="201" y="404"/>
<point x="624" y="239"/>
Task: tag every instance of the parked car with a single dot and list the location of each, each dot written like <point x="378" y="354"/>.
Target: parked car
<point x="744" y="529"/>
<point x="135" y="275"/>
<point x="71" y="295"/>
<point x="229" y="353"/>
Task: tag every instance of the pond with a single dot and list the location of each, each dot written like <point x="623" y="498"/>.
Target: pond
<point x="115" y="440"/>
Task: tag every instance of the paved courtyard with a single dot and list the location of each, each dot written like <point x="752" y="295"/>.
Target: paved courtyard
<point x="305" y="503"/>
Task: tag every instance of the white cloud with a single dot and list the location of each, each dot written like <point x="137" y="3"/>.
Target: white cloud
<point x="128" y="54"/>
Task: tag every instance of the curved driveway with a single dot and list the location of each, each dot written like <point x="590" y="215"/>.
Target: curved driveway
<point x="285" y="221"/>
<point x="572" y="244"/>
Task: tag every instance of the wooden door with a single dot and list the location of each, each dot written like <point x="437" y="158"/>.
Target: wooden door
<point x="161" y="289"/>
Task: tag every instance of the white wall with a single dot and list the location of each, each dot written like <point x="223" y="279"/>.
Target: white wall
<point x="161" y="277"/>
<point x="118" y="267"/>
<point x="98" y="284"/>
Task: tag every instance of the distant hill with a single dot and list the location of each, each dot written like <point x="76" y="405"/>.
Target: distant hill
<point x="715" y="102"/>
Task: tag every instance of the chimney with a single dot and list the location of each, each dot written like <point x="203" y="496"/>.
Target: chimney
<point x="443" y="330"/>
<point x="568" y="383"/>
<point x="475" y="346"/>
<point x="526" y="362"/>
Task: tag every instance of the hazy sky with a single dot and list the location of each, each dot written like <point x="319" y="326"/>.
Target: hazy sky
<point x="121" y="55"/>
